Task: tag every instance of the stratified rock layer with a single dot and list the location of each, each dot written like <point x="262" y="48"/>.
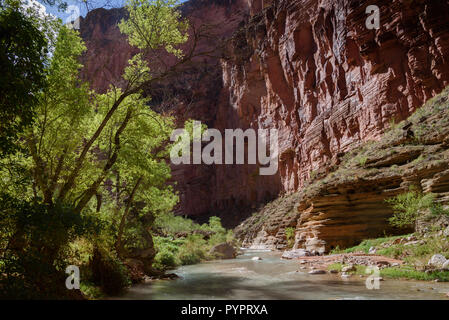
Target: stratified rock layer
<point x="348" y="205"/>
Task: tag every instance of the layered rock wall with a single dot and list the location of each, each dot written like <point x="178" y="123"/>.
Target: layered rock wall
<point x="348" y="204"/>
<point x="309" y="68"/>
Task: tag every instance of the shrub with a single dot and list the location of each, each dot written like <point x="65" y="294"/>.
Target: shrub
<point x="362" y="160"/>
<point x="193" y="250"/>
<point x="170" y="224"/>
<point x="290" y="236"/>
<point x="108" y="272"/>
<point x="165" y="259"/>
<point x="406" y="207"/>
<point x="33" y="240"/>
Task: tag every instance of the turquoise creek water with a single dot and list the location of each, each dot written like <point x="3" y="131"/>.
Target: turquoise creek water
<point x="273" y="278"/>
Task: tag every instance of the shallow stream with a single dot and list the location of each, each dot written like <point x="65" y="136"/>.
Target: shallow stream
<point x="273" y="278"/>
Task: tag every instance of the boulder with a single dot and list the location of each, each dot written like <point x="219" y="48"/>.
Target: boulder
<point x="256" y="258"/>
<point x="224" y="251"/>
<point x="437" y="261"/>
<point x="296" y="253"/>
<point x="445" y="265"/>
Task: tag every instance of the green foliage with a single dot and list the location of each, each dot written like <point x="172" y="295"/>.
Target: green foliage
<point x="191" y="249"/>
<point x="362" y="160"/>
<point x="23" y="58"/>
<point x="154" y="24"/>
<point x="170" y="224"/>
<point x="365" y="245"/>
<point x="34" y="237"/>
<point x="214" y="226"/>
<point x="407" y="207"/>
<point x="402" y="272"/>
<point x="108" y="272"/>
<point x="165" y="259"/>
<point x="290" y="236"/>
<point x="87" y="175"/>
<point x="411" y="273"/>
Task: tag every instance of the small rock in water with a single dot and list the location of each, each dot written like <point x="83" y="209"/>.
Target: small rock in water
<point x="302" y="261"/>
<point x="333" y="271"/>
<point x="256" y="258"/>
<point x="345" y="275"/>
<point x="317" y="271"/>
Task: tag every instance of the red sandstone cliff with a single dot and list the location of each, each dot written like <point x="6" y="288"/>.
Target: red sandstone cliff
<point x="309" y="68"/>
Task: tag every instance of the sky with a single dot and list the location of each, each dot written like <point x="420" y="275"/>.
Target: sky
<point x="78" y="7"/>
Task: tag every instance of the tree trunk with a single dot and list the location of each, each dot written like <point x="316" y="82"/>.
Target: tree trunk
<point x="119" y="243"/>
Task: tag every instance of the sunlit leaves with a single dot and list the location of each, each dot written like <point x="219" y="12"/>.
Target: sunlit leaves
<point x="155" y="24"/>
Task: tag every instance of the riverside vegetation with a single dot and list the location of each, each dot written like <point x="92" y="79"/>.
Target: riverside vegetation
<point x="83" y="175"/>
<point x="411" y="210"/>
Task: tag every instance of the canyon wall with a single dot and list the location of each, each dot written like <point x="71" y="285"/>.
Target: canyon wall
<point x="309" y="68"/>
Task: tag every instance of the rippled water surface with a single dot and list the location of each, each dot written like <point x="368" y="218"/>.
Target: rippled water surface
<point x="273" y="278"/>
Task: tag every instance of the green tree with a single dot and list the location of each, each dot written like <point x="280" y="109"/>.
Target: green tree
<point x="22" y="65"/>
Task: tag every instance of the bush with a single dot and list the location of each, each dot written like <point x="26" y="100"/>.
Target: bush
<point x="407" y="206"/>
<point x="108" y="272"/>
<point x="193" y="250"/>
<point x="165" y="259"/>
<point x="33" y="241"/>
<point x="170" y="224"/>
<point x="290" y="236"/>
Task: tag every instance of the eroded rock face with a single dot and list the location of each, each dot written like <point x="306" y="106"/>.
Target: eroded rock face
<point x="348" y="204"/>
<point x="311" y="69"/>
<point x="314" y="71"/>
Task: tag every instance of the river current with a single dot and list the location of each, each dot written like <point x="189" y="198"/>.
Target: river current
<point x="273" y="278"/>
